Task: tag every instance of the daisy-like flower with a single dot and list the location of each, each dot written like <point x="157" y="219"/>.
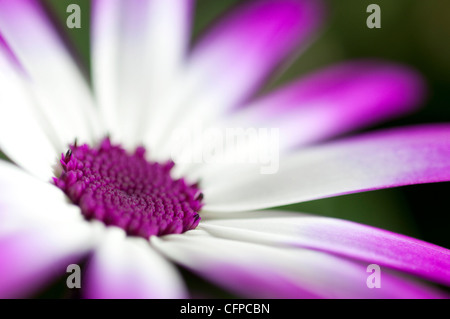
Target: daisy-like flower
<point x="130" y="215"/>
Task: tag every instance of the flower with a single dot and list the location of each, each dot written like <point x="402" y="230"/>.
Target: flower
<point x="139" y="54"/>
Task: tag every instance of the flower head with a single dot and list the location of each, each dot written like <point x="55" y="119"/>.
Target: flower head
<point x="131" y="214"/>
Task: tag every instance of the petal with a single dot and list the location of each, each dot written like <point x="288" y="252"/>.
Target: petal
<point x="21" y="194"/>
<point x="136" y="46"/>
<point x="125" y="267"/>
<point x="32" y="257"/>
<point x="336" y="100"/>
<point x="344" y="238"/>
<point x="40" y="235"/>
<point x="258" y="271"/>
<point x="22" y="131"/>
<point x="54" y="75"/>
<point x="389" y="158"/>
<point x="242" y="49"/>
<point x="232" y="61"/>
<point x="322" y="105"/>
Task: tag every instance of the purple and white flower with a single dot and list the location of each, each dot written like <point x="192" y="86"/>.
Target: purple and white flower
<point x="132" y="219"/>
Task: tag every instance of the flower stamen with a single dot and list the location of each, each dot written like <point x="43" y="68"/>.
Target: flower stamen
<point x="127" y="191"/>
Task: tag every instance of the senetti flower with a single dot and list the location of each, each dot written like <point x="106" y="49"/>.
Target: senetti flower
<point x="90" y="179"/>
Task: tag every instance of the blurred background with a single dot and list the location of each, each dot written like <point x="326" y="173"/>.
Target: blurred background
<point x="414" y="32"/>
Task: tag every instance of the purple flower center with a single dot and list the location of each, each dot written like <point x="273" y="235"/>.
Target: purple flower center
<point x="127" y="191"/>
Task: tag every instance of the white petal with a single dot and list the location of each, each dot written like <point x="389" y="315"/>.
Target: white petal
<point x="25" y="200"/>
<point x="55" y="77"/>
<point x="40" y="234"/>
<point x="126" y="267"/>
<point x="137" y="46"/>
<point x="335" y="236"/>
<point x="231" y="62"/>
<point x="389" y="158"/>
<point x="32" y="258"/>
<point x="257" y="271"/>
<point x="22" y="134"/>
<point x="334" y="101"/>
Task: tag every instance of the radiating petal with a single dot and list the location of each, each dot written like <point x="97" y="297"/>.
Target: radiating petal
<point x="59" y="85"/>
<point x="34" y="256"/>
<point x="236" y="55"/>
<point x="349" y="239"/>
<point x="324" y="104"/>
<point x="390" y="158"/>
<point x="258" y="271"/>
<point x="23" y="136"/>
<point x="26" y="200"/>
<point x="136" y="46"/>
<point x="336" y="100"/>
<point x="125" y="267"/>
<point x="40" y="234"/>
<point x="233" y="59"/>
